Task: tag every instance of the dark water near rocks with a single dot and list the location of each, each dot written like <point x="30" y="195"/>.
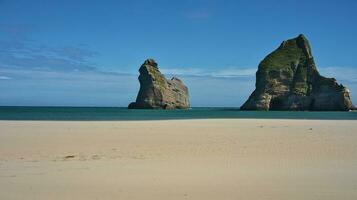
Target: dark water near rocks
<point x="116" y="113"/>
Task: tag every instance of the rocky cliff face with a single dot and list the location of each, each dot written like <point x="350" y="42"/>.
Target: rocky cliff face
<point x="156" y="92"/>
<point x="287" y="79"/>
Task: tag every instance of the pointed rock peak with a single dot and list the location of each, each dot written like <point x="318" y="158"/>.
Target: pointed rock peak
<point x="301" y="36"/>
<point x="301" y="42"/>
<point x="150" y="62"/>
<point x="304" y="44"/>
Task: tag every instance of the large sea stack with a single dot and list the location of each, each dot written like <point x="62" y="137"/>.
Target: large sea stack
<point x="287" y="79"/>
<point x="156" y="92"/>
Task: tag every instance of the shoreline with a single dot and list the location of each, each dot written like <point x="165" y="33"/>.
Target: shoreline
<point x="163" y="120"/>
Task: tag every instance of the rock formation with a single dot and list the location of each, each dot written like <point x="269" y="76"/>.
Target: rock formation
<point x="287" y="79"/>
<point x="156" y="92"/>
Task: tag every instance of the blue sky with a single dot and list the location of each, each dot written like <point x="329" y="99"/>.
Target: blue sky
<point x="87" y="53"/>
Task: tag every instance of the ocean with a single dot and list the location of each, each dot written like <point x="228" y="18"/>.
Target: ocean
<point x="120" y="113"/>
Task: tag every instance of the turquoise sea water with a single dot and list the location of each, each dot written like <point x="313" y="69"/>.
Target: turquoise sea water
<point x="116" y="113"/>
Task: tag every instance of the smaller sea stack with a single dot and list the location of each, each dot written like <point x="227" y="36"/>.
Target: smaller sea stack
<point x="156" y="92"/>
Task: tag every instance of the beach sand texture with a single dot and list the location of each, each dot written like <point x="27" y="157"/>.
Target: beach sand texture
<point x="179" y="159"/>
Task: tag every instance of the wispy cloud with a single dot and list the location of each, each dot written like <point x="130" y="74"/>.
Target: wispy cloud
<point x="5" y="78"/>
<point x="346" y="74"/>
<point x="74" y="53"/>
<point x="229" y="72"/>
<point x="232" y="85"/>
<point x="340" y="73"/>
<point x="90" y="88"/>
<point x="32" y="55"/>
<point x="235" y="72"/>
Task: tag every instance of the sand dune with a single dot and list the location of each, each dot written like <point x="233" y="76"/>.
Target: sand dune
<point x="179" y="159"/>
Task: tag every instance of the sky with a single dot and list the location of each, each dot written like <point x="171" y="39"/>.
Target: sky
<point x="87" y="53"/>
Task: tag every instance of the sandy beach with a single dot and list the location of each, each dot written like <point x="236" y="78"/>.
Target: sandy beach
<point x="178" y="159"/>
